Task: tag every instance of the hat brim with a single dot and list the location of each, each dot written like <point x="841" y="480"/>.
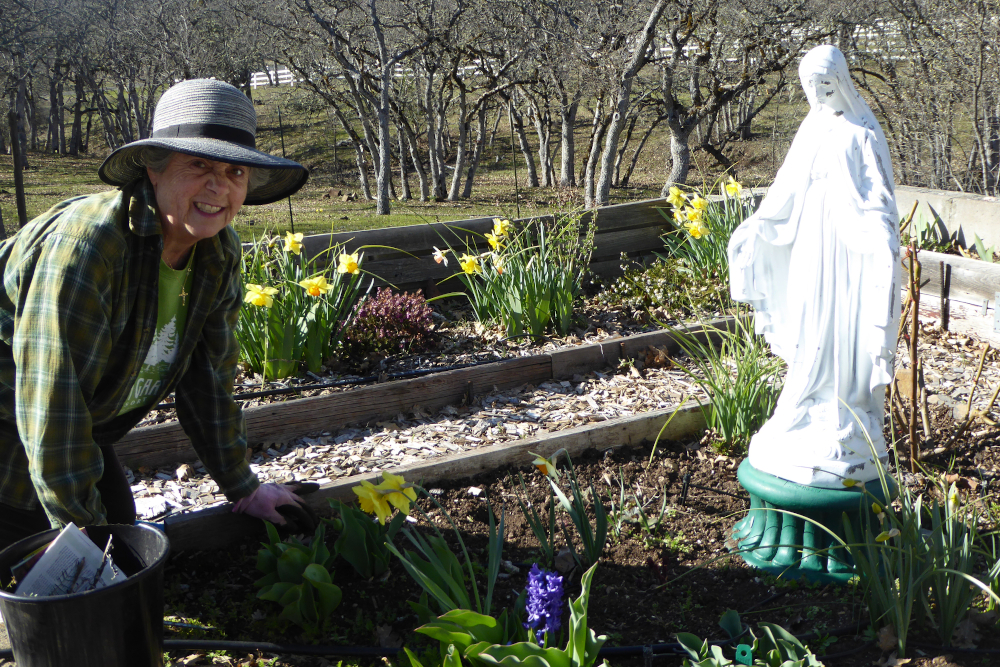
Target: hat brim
<point x="286" y="176"/>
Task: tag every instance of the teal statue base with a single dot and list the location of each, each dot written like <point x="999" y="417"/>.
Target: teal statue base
<point x="792" y="547"/>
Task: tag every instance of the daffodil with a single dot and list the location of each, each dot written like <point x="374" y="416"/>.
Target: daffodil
<point x="497" y="263"/>
<point x="494" y="241"/>
<point x="887" y="535"/>
<point x="680" y="216"/>
<point x="469" y="263"/>
<point x="348" y="263"/>
<point x="699" y="203"/>
<point x="373" y="501"/>
<point x="694" y="214"/>
<point x="315" y="286"/>
<point x="501" y="226"/>
<point x="260" y="296"/>
<point x="293" y="242"/>
<point x="547" y="466"/>
<point x="676" y="198"/>
<point x="396" y="491"/>
<point x="851" y="483"/>
<point x="439" y="256"/>
<point x="697" y="229"/>
<point x="733" y="187"/>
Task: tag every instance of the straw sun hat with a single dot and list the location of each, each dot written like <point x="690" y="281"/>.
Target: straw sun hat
<point x="214" y="120"/>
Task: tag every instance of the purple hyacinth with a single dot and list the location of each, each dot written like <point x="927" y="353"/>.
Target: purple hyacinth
<point x="544" y="606"/>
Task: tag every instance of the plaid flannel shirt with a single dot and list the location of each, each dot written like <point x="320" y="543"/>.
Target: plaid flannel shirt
<point x="77" y="317"/>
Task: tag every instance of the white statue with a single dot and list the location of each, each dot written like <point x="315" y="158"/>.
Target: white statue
<point x="819" y="262"/>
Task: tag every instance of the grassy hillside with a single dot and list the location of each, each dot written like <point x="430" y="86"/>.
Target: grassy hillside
<point x="311" y="135"/>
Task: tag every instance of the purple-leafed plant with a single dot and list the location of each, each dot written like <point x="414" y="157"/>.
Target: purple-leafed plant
<point x="386" y="324"/>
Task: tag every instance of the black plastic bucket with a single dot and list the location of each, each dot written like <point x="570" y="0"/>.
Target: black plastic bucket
<point x="120" y="625"/>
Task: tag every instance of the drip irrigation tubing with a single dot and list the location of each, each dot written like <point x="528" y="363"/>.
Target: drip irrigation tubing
<point x="368" y="379"/>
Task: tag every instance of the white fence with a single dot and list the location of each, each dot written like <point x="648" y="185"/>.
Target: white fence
<point x="281" y="77"/>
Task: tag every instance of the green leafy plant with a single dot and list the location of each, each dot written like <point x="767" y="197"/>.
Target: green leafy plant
<point x="475" y="637"/>
<point x="363" y="542"/>
<point x="903" y="566"/>
<point x="985" y="253"/>
<point x="740" y="376"/>
<point x="543" y="530"/>
<point x="929" y="235"/>
<point x="295" y="311"/>
<point x="439" y="572"/>
<point x="776" y="647"/>
<point x="297" y="577"/>
<point x="667" y="287"/>
<point x="631" y="509"/>
<point x="530" y="280"/>
<point x="702" y="229"/>
<point x="592" y="537"/>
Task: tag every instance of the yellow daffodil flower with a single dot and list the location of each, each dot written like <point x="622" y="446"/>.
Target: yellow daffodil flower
<point x="699" y="203"/>
<point x="260" y="296"/>
<point x="850" y="483"/>
<point x="733" y="187"/>
<point x="293" y="242"/>
<point x="373" y="501"/>
<point x="497" y="263"/>
<point x="348" y="263"/>
<point x="697" y="229"/>
<point x="887" y="535"/>
<point x="680" y="216"/>
<point x="676" y="198"/>
<point x="694" y="214"/>
<point x="469" y="264"/>
<point x="439" y="256"/>
<point x="547" y="466"/>
<point x="501" y="226"/>
<point x="953" y="500"/>
<point x="494" y="240"/>
<point x="315" y="286"/>
<point x="397" y="492"/>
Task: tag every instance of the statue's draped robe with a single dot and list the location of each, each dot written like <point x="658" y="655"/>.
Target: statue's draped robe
<point x="819" y="262"/>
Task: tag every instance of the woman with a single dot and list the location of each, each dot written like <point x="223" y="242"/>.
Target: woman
<point x="112" y="301"/>
<point x="819" y="263"/>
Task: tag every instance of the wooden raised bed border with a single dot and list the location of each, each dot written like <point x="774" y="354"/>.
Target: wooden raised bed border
<point x="165" y="444"/>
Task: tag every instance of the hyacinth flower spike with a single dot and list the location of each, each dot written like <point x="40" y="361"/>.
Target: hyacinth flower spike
<point x="544" y="606"/>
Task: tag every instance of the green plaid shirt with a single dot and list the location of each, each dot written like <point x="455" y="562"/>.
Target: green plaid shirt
<point x="77" y="316"/>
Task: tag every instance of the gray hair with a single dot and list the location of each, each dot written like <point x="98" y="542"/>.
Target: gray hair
<point x="157" y="158"/>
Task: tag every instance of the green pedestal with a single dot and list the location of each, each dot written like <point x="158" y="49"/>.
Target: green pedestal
<point x="790" y="546"/>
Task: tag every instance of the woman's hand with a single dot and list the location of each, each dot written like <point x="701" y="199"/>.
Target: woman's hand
<point x="263" y="503"/>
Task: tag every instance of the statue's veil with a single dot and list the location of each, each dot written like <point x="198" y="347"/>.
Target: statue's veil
<point x="828" y="58"/>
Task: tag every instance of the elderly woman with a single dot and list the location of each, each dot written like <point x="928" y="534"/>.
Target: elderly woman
<point x="112" y="301"/>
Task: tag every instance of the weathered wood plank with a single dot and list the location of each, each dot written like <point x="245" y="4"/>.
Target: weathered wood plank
<point x="972" y="281"/>
<point x="218" y="527"/>
<point x="166" y="443"/>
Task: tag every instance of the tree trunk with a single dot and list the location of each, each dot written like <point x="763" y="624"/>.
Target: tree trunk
<point x="522" y="139"/>
<point x="15" y="146"/>
<point x="60" y="118"/>
<point x="680" y="158"/>
<point x="404" y="182"/>
<point x="638" y="150"/>
<point x="477" y="153"/>
<point x="600" y="128"/>
<point x="3" y="230"/>
<point x="17" y="133"/>
<point x="567" y="114"/>
<point x="463" y="138"/>
<point x="639" y="59"/>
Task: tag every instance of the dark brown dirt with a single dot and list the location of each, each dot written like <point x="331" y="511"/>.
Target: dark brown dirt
<point x="677" y="577"/>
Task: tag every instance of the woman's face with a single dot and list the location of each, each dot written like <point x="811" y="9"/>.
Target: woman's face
<point x="197" y="197"/>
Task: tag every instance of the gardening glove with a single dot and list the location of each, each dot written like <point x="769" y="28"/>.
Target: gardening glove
<point x="265" y="501"/>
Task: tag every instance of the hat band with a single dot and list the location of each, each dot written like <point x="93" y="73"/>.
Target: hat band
<point x="207" y="131"/>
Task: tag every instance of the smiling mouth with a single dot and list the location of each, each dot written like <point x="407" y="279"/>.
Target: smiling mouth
<point x="207" y="208"/>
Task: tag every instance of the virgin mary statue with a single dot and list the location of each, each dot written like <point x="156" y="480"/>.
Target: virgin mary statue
<point x="819" y="263"/>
